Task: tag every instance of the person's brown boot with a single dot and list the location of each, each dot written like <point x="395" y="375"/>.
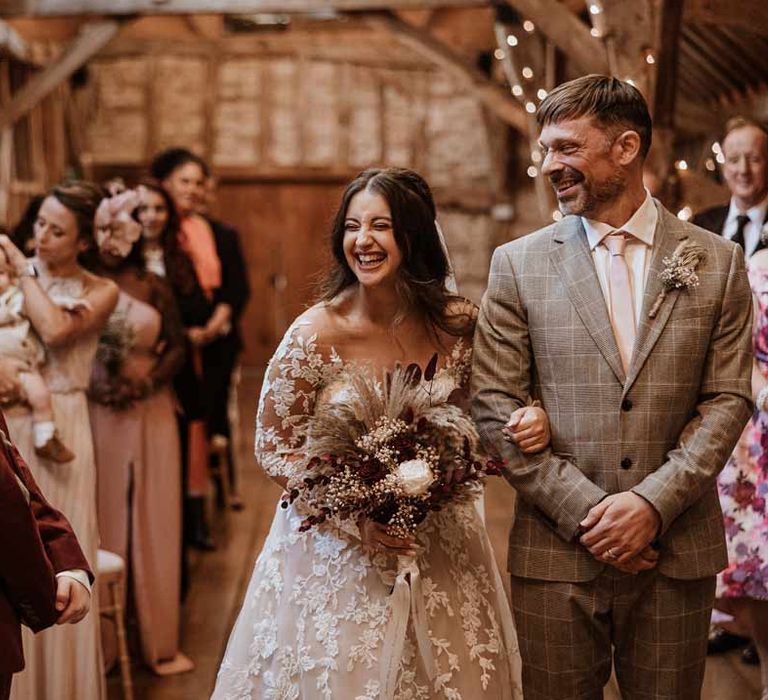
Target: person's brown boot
<point x="55" y="451"/>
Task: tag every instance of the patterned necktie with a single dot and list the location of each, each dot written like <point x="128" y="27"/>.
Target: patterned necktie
<point x="741" y="223"/>
<point x="620" y="294"/>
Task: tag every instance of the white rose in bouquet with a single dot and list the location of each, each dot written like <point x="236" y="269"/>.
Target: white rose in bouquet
<point x="414" y="477"/>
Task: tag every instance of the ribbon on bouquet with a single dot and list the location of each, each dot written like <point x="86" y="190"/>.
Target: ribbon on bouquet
<point x="406" y="600"/>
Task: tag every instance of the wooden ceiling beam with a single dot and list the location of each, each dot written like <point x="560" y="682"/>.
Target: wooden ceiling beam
<point x="750" y="15"/>
<point x="92" y="39"/>
<point x="667" y="60"/>
<point x="59" y="8"/>
<point x="495" y="97"/>
<point x="12" y="44"/>
<point x="566" y="31"/>
<point x="716" y="48"/>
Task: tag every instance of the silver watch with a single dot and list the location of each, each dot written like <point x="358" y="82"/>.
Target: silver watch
<point x="29" y="270"/>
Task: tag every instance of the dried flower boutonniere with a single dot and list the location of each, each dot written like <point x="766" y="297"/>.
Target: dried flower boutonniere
<point x="679" y="271"/>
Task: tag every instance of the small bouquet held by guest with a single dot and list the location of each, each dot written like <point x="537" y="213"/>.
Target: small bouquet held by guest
<point x="384" y="450"/>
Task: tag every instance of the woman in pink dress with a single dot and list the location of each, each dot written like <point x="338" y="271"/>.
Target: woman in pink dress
<point x="136" y="439"/>
<point x="64" y="663"/>
<point x="742" y="588"/>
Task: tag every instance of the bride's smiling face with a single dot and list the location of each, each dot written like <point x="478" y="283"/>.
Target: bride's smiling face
<point x="369" y="240"/>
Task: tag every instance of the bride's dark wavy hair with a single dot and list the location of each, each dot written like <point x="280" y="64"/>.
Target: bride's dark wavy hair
<point x="424" y="267"/>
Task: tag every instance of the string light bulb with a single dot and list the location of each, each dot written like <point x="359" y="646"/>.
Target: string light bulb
<point x="512" y="40"/>
<point x="595" y="9"/>
<point x="649" y="59"/>
<point x="517" y="90"/>
<point x="710" y="165"/>
<point x="527" y="72"/>
<point x="530" y="107"/>
<point x="536" y="156"/>
<point x="499" y="54"/>
<point x="541" y="94"/>
<point x="685" y="213"/>
<point x="532" y="171"/>
<point x="529" y="26"/>
<point x="595" y="32"/>
<point x="681" y="165"/>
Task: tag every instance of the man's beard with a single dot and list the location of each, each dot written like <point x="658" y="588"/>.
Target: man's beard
<point x="591" y="195"/>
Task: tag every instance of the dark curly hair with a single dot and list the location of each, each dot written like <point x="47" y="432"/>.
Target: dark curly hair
<point x="178" y="266"/>
<point x="424" y="268"/>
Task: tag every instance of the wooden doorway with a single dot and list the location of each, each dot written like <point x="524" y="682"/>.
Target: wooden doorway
<point x="284" y="228"/>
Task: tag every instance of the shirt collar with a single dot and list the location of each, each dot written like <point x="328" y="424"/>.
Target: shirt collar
<point x="642" y="225"/>
<point x="756" y="214"/>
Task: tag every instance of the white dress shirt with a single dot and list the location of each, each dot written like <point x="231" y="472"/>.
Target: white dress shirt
<point x="752" y="230"/>
<point x="642" y="229"/>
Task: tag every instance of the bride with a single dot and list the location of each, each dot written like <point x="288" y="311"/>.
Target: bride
<point x="320" y="619"/>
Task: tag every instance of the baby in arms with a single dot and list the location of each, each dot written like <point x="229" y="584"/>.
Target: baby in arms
<point x="19" y="341"/>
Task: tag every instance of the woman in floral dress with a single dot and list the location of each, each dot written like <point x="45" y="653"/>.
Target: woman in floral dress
<point x="317" y="619"/>
<point x="742" y="588"/>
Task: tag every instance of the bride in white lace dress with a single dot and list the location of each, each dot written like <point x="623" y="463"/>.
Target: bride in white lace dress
<point x="320" y="620"/>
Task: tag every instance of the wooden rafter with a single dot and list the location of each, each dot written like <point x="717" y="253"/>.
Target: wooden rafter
<point x="12" y="44"/>
<point x="566" y="31"/>
<point x="92" y="38"/>
<point x="751" y="15"/>
<point x="53" y="8"/>
<point x="666" y="62"/>
<point x="495" y="97"/>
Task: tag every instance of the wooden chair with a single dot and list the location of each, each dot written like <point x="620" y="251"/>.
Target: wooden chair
<point x="111" y="572"/>
<point x="220" y="468"/>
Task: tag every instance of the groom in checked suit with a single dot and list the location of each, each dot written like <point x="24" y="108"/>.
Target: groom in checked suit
<point x="618" y="533"/>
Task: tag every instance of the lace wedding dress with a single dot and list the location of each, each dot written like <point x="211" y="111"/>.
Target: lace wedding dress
<point x="324" y="619"/>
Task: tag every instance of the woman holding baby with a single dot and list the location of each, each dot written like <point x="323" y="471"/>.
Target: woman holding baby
<point x="67" y="307"/>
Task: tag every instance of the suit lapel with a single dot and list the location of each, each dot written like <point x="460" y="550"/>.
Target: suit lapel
<point x="668" y="235"/>
<point x="573" y="260"/>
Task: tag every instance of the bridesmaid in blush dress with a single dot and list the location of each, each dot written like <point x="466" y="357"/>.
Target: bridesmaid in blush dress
<point x="136" y="438"/>
<point x="64" y="663"/>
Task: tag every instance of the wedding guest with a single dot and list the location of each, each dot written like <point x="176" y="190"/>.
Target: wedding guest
<point x="165" y="257"/>
<point x="183" y="174"/>
<point x="745" y="171"/>
<point x="64" y="663"/>
<point x="221" y="355"/>
<point x="135" y="434"/>
<point x="39" y="556"/>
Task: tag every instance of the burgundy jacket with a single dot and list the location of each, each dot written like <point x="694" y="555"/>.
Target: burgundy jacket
<point x="36" y="542"/>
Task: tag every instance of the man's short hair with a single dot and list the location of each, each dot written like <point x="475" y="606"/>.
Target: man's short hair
<point x="739" y="122"/>
<point x="612" y="102"/>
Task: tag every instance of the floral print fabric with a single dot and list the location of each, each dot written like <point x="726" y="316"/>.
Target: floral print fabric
<point x="743" y="484"/>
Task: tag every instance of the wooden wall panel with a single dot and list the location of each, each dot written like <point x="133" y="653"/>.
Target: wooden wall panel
<point x="179" y="95"/>
<point x="283" y="228"/>
<point x="285" y="114"/>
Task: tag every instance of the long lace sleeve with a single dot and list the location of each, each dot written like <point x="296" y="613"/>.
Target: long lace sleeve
<point x="295" y="374"/>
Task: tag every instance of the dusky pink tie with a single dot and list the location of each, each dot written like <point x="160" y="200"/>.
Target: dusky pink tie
<point x="622" y="304"/>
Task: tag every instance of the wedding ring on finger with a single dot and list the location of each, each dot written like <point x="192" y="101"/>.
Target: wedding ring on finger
<point x="610" y="555"/>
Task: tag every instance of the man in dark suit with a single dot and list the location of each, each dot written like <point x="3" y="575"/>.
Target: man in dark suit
<point x="44" y="577"/>
<point x="745" y="170"/>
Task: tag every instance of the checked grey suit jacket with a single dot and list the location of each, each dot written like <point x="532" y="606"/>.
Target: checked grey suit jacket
<point x="664" y="431"/>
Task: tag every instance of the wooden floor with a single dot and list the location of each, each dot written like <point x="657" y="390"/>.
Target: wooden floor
<point x="219" y="580"/>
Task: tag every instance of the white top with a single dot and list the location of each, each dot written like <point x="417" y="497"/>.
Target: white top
<point x="642" y="227"/>
<point x="752" y="230"/>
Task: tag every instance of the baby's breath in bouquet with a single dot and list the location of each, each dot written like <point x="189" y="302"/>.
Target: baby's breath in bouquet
<point x="388" y="450"/>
